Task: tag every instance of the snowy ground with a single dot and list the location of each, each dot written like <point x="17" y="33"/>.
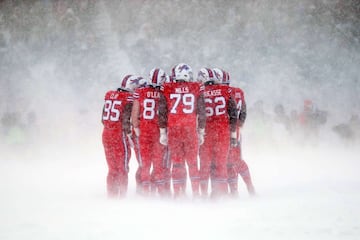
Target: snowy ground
<point x="303" y="193"/>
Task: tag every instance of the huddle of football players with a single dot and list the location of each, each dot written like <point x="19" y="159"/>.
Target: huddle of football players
<point x="177" y="126"/>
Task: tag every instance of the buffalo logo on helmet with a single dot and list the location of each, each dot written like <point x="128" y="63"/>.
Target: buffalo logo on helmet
<point x="218" y="76"/>
<point x="183" y="67"/>
<point x="202" y="74"/>
<point x="138" y="81"/>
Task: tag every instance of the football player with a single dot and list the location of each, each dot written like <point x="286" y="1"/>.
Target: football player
<point x="114" y="136"/>
<point x="145" y="123"/>
<point x="236" y="164"/>
<point x="220" y="118"/>
<point x="182" y="126"/>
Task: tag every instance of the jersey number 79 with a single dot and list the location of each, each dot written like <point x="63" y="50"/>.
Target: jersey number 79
<point x="187" y="101"/>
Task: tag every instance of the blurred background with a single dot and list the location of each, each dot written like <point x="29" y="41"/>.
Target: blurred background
<point x="297" y="61"/>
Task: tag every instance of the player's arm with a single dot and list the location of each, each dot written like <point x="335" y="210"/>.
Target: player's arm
<point x="243" y="113"/>
<point x="232" y="111"/>
<point x="201" y="112"/>
<point x="163" y="119"/>
<point x="126" y="125"/>
<point x="135" y="117"/>
<point x="135" y="114"/>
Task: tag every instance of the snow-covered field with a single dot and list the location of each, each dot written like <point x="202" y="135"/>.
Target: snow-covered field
<point x="303" y="193"/>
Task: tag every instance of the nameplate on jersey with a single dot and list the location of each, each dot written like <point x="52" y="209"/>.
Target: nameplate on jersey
<point x="182" y="90"/>
<point x="153" y="95"/>
<point x="114" y="95"/>
<point x="216" y="92"/>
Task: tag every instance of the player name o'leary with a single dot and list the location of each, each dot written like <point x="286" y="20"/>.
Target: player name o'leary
<point x="153" y="94"/>
<point x="216" y="92"/>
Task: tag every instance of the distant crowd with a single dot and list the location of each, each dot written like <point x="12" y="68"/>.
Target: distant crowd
<point x="303" y="123"/>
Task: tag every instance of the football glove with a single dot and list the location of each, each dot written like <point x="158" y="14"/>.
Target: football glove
<point x="163" y="136"/>
<point x="137" y="131"/>
<point x="131" y="142"/>
<point x="201" y="134"/>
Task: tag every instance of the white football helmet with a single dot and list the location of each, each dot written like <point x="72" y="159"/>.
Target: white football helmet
<point x="141" y="82"/>
<point x="131" y="82"/>
<point x="183" y="72"/>
<point x="205" y="75"/>
<point x="157" y="77"/>
<point x="221" y="76"/>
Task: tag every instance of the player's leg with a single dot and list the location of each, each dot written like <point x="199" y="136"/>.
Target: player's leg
<point x="123" y="155"/>
<point x="178" y="170"/>
<point x="158" y="173"/>
<point x="137" y="157"/>
<point x="166" y="170"/>
<point x="191" y="151"/>
<point x="111" y="185"/>
<point x="145" y="162"/>
<point x="111" y="179"/>
<point x="220" y="153"/>
<point x="244" y="172"/>
<point x="205" y="165"/>
<point x="178" y="175"/>
<point x="234" y="154"/>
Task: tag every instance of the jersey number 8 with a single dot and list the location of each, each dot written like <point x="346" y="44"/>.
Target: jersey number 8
<point x="149" y="109"/>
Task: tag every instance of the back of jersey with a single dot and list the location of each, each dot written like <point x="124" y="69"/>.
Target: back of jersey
<point x="114" y="106"/>
<point x="217" y="98"/>
<point x="182" y="99"/>
<point x="148" y="98"/>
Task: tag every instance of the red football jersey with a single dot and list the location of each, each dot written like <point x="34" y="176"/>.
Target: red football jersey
<point x="217" y="99"/>
<point x="148" y="98"/>
<point x="182" y="103"/>
<point x="115" y="102"/>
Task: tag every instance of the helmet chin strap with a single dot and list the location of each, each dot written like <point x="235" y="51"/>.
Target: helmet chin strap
<point x="122" y="89"/>
<point x="209" y="83"/>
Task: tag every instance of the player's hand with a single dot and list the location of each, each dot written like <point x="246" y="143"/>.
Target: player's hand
<point x="137" y="132"/>
<point x="163" y="136"/>
<point x="131" y="142"/>
<point x="233" y="139"/>
<point x="201" y="134"/>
